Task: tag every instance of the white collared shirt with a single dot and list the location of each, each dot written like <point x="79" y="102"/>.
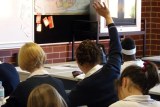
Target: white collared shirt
<point x="137" y="62"/>
<point x="136" y="101"/>
<point x="40" y="71"/>
<point x="93" y="70"/>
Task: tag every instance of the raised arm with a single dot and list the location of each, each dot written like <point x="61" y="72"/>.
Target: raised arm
<point x="102" y="10"/>
<point x="115" y="57"/>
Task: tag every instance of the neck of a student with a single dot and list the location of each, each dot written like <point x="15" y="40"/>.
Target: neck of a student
<point x="87" y="67"/>
<point x="135" y="91"/>
<point x="130" y="92"/>
<point x="129" y="58"/>
<point x="35" y="69"/>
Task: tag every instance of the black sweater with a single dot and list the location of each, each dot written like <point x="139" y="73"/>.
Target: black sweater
<point x="20" y="96"/>
<point x="9" y="77"/>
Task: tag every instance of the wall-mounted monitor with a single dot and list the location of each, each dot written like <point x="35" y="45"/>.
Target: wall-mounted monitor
<point x="126" y="15"/>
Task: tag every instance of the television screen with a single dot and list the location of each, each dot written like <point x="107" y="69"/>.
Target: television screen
<point x="126" y="15"/>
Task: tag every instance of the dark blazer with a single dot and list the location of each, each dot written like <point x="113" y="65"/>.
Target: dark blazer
<point x="98" y="90"/>
<point x="9" y="77"/>
<point x="20" y="96"/>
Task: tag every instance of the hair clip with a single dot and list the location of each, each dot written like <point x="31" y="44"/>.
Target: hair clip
<point x="144" y="69"/>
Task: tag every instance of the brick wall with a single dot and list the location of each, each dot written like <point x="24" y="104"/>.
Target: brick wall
<point x="155" y="27"/>
<point x="150" y="11"/>
<point x="54" y="53"/>
<point x="62" y="53"/>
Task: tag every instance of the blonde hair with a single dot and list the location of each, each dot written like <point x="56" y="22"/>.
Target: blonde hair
<point x="45" y="95"/>
<point x="31" y="56"/>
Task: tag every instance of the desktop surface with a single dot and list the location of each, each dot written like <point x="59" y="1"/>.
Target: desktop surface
<point x="152" y="58"/>
<point x="63" y="71"/>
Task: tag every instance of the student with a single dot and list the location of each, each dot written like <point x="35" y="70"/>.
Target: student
<point x="9" y="77"/>
<point x="134" y="85"/>
<point x="97" y="88"/>
<point x="129" y="54"/>
<point x="45" y="95"/>
<point x="31" y="58"/>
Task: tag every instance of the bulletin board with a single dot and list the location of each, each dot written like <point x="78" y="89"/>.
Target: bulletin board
<point x="16" y="23"/>
<point x="62" y="31"/>
<point x="63" y="13"/>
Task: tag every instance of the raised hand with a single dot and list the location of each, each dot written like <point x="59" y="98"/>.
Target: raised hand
<point x="102" y="10"/>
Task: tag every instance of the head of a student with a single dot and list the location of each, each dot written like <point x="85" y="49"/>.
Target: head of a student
<point x="136" y="80"/>
<point x="87" y="55"/>
<point x="45" y="95"/>
<point x="31" y="57"/>
<point x="128" y="49"/>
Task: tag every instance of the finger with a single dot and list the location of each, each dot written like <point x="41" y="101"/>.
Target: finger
<point x="95" y="5"/>
<point x="99" y="5"/>
<point x="104" y="5"/>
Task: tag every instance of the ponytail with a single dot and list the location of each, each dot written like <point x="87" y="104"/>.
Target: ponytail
<point x="145" y="78"/>
<point x="151" y="72"/>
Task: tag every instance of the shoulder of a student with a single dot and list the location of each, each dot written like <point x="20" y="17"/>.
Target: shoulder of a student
<point x="120" y="103"/>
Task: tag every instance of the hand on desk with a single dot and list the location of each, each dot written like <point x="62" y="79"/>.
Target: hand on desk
<point x="78" y="75"/>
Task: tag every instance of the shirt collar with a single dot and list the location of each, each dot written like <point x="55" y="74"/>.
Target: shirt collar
<point x="38" y="72"/>
<point x="93" y="70"/>
<point x="138" y="98"/>
<point x="0" y="62"/>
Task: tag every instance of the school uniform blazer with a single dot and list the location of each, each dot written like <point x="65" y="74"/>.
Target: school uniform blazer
<point x="9" y="77"/>
<point x="20" y="96"/>
<point x="98" y="90"/>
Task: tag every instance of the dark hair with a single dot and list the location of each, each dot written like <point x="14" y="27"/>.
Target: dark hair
<point x="128" y="44"/>
<point x="88" y="53"/>
<point x="145" y="78"/>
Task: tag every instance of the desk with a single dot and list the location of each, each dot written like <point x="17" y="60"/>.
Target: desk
<point x="155" y="59"/>
<point x="155" y="91"/>
<point x="152" y="58"/>
<point x="62" y="71"/>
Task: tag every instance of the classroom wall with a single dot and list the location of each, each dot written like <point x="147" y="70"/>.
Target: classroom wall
<point x="55" y="53"/>
<point x="62" y="52"/>
<point x="150" y="12"/>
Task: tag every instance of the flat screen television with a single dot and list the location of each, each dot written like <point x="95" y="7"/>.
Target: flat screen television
<point x="126" y="15"/>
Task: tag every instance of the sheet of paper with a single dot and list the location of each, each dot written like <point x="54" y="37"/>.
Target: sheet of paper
<point x="71" y="67"/>
<point x="38" y="19"/>
<point x="39" y="27"/>
<point x="45" y="21"/>
<point x="51" y="23"/>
